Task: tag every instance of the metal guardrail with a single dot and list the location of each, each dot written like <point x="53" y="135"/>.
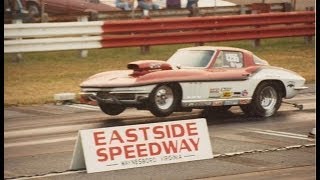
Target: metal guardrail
<point x="35" y="30"/>
<point x="146" y="32"/>
<point x="209" y="22"/>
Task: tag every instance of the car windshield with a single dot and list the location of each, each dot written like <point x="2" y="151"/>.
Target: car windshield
<point x="191" y="58"/>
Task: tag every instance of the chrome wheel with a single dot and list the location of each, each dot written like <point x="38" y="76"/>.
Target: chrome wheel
<point x="265" y="101"/>
<point x="268" y="98"/>
<point x="111" y="109"/>
<point x="164" y="97"/>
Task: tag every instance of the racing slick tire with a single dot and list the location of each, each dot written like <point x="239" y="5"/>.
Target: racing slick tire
<point x="246" y="109"/>
<point x="265" y="102"/>
<point x="163" y="100"/>
<point x="111" y="109"/>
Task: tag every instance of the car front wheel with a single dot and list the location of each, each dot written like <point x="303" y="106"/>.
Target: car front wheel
<point x="163" y="100"/>
<point x="265" y="101"/>
<point x="111" y="109"/>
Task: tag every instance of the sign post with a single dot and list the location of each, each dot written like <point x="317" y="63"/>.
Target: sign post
<point x="124" y="147"/>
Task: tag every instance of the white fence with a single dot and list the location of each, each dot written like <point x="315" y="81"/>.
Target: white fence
<point x="52" y="29"/>
<point x="52" y="36"/>
<point x="37" y="37"/>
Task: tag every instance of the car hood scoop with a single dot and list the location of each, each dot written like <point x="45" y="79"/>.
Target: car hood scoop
<point x="147" y="66"/>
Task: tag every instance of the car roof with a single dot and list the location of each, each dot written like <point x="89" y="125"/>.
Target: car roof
<point x="216" y="48"/>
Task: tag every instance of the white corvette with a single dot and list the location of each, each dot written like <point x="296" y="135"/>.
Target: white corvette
<point x="202" y="77"/>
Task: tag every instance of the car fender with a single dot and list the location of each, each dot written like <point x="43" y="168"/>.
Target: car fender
<point x="289" y="79"/>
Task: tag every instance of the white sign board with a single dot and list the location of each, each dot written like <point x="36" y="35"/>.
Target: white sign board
<point x="123" y="147"/>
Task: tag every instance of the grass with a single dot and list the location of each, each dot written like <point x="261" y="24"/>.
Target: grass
<point x="41" y="75"/>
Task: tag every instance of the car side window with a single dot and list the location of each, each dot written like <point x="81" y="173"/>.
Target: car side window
<point x="229" y="59"/>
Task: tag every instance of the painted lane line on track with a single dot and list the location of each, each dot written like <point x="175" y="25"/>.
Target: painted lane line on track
<point x="40" y="131"/>
<point x="83" y="106"/>
<point x="49" y="130"/>
<point x="87" y="105"/>
<point x="287" y="133"/>
<point x="37" y="142"/>
<point x="281" y="134"/>
<point x="302" y="98"/>
<point x="304" y="104"/>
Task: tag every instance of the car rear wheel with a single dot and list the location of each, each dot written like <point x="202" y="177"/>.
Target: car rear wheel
<point x="265" y="101"/>
<point x="111" y="109"/>
<point x="246" y="109"/>
<point x="163" y="100"/>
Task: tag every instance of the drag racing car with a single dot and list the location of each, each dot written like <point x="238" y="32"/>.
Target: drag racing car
<point x="204" y="77"/>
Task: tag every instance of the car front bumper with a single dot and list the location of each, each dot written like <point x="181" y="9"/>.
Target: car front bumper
<point x="119" y="95"/>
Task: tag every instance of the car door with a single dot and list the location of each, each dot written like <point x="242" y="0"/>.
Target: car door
<point x="228" y="76"/>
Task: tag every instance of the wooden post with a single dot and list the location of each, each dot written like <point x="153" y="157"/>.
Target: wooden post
<point x="42" y="11"/>
<point x="17" y="56"/>
<point x="133" y="9"/>
<point x="308" y="39"/>
<point x="146" y="14"/>
<point x="294" y="2"/>
<point x="256" y="42"/>
<point x="199" y="44"/>
<point x="287" y="7"/>
<point x="145" y="49"/>
<point x="83" y="52"/>
<point x="258" y="8"/>
<point x="242" y="9"/>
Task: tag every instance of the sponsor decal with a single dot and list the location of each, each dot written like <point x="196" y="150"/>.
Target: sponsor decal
<point x="231" y="102"/>
<point x="188" y="104"/>
<point x="232" y="57"/>
<point x="234" y="60"/>
<point x="244" y="93"/>
<point x="225" y="89"/>
<point x="197" y="104"/>
<point x="244" y="101"/>
<point x="123" y="147"/>
<point x="155" y="65"/>
<point x="237" y="94"/>
<point x="193" y="97"/>
<point x="226" y="92"/>
<point x="291" y="84"/>
<point x="217" y="103"/>
<point x="214" y="93"/>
